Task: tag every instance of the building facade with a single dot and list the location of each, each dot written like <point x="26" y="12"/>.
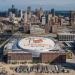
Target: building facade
<point x="49" y="57"/>
<point x="53" y="57"/>
<point x="66" y="36"/>
<point x="21" y="57"/>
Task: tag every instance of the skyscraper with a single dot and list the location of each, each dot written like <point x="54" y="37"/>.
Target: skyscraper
<point x="28" y="9"/>
<point x="21" y="14"/>
<point x="43" y="20"/>
<point x="41" y="12"/>
<point x="53" y="12"/>
<point x="25" y="17"/>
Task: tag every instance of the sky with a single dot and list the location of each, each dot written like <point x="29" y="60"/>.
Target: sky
<point x="46" y="4"/>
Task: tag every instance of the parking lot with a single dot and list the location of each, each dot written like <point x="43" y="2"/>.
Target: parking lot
<point x="40" y="69"/>
<point x="34" y="69"/>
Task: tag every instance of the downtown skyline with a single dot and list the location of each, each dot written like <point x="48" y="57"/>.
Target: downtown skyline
<point x="45" y="4"/>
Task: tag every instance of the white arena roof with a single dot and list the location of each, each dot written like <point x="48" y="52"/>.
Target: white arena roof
<point x="36" y="45"/>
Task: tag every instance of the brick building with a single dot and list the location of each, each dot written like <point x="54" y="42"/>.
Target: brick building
<point x="19" y="57"/>
<point x="53" y="57"/>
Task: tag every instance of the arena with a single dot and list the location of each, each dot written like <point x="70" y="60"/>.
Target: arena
<point x="29" y="48"/>
<point x="36" y="45"/>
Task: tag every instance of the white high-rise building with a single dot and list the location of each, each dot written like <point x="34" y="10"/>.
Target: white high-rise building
<point x="11" y="17"/>
<point x="25" y="17"/>
<point x="43" y="20"/>
<point x="10" y="14"/>
<point x="29" y="15"/>
<point x="49" y="17"/>
<point x="21" y="13"/>
<point x="41" y="12"/>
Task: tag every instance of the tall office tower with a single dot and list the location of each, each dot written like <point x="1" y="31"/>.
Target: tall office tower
<point x="41" y="12"/>
<point x="25" y="17"/>
<point x="56" y="20"/>
<point x="53" y="20"/>
<point x="28" y="9"/>
<point x="21" y="14"/>
<point x="29" y="16"/>
<point x="29" y="13"/>
<point x="52" y="12"/>
<point x="49" y="19"/>
<point x="48" y="28"/>
<point x="26" y="23"/>
<point x="34" y="19"/>
<point x="54" y="29"/>
<point x="43" y="20"/>
<point x="37" y="12"/>
<point x="61" y="20"/>
<point x="11" y="17"/>
<point x="13" y="10"/>
<point x="72" y="18"/>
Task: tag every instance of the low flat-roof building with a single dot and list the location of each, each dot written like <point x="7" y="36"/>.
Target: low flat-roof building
<point x="19" y="57"/>
<point x="66" y="36"/>
<point x="53" y="57"/>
